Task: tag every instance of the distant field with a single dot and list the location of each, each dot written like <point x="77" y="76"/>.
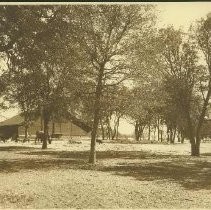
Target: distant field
<point x="125" y="176"/>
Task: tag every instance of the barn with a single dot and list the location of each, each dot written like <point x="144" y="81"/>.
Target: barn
<point x="14" y="127"/>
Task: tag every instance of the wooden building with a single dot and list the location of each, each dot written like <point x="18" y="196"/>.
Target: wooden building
<point x="14" y="127"/>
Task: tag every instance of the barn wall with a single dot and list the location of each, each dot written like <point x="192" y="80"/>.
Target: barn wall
<point x="67" y="129"/>
<point x="9" y="132"/>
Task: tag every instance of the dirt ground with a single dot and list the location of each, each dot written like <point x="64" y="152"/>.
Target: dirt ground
<point x="125" y="176"/>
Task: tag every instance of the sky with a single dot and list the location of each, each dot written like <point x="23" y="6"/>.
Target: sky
<point x="182" y="14"/>
<point x="178" y="14"/>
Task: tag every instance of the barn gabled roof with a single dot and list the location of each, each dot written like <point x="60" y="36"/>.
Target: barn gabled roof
<point x="79" y="123"/>
<point x="16" y="120"/>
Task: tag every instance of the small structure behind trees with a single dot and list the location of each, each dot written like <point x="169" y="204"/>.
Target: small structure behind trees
<point x="15" y="128"/>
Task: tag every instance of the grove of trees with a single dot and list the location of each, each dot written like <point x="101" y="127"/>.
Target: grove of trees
<point x="102" y="63"/>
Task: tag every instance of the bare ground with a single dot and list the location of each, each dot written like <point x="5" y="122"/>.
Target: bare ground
<point x="125" y="176"/>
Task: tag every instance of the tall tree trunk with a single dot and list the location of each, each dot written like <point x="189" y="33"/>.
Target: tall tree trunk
<point x="174" y="134"/>
<point x="114" y="133"/>
<point x="154" y="133"/>
<point x="141" y="130"/>
<point x="53" y="127"/>
<point x="46" y="119"/>
<point x="41" y="119"/>
<point x="196" y="147"/>
<point x="179" y="136"/>
<point x="108" y="128"/>
<point x="102" y="129"/>
<point x="92" y="156"/>
<point x="161" y="136"/>
<point x="196" y="139"/>
<point x="26" y="133"/>
<point x="117" y="128"/>
<point x="137" y="131"/>
<point x="158" y="129"/>
<point x="182" y="137"/>
<point x="168" y="134"/>
<point x="149" y="132"/>
<point x="191" y="135"/>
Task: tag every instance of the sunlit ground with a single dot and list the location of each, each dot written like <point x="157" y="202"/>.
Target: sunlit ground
<point x="125" y="176"/>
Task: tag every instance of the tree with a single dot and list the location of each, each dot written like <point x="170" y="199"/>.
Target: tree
<point x="102" y="33"/>
<point x="113" y="108"/>
<point x="203" y="37"/>
<point x="182" y="81"/>
<point x="3" y="83"/>
<point x="19" y="92"/>
<point x="145" y="104"/>
<point x="40" y="67"/>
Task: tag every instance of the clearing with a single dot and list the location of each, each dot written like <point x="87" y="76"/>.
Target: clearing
<point x="125" y="176"/>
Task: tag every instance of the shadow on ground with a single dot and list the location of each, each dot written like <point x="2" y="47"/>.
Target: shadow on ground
<point x="191" y="173"/>
<point x="15" y="148"/>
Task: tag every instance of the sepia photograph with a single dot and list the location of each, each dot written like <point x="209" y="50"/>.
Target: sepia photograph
<point x="105" y="105"/>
